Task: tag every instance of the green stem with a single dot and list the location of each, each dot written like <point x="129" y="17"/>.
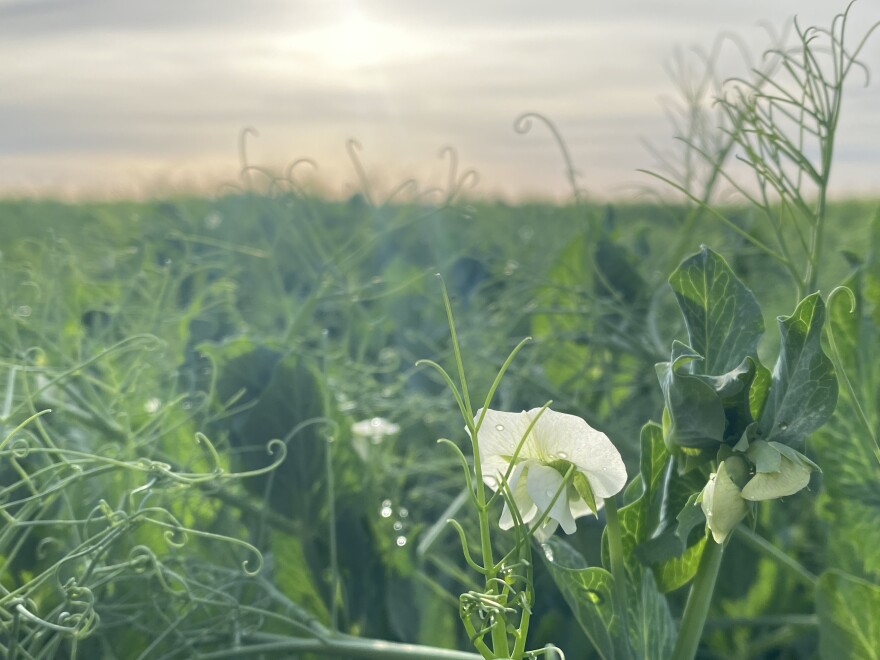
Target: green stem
<point x="698" y="602"/>
<point x="338" y="647"/>
<point x="761" y="544"/>
<point x="618" y="571"/>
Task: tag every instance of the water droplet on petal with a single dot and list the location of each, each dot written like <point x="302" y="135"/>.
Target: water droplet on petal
<point x="783" y="426"/>
<point x="550" y="492"/>
<point x="401" y="541"/>
<point x="562" y="455"/>
<point x="499" y="427"/>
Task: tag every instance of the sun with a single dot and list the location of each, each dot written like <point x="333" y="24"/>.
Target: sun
<point x="356" y="42"/>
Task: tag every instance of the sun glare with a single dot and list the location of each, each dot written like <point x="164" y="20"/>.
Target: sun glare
<point x="356" y="42"/>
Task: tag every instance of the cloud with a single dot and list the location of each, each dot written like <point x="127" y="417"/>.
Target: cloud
<point x="110" y="79"/>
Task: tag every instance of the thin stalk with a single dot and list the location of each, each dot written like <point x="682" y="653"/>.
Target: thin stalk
<point x="762" y="545"/>
<point x="500" y="644"/>
<point x="698" y="601"/>
<point x="338" y="647"/>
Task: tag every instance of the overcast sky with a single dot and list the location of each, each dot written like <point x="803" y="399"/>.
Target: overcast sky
<point x="127" y="96"/>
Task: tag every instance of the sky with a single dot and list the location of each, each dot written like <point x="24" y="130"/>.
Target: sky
<point x="132" y="98"/>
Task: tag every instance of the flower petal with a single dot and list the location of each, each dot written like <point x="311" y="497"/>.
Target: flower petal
<point x="542" y="484"/>
<point x="570" y="438"/>
<point x="791" y="477"/>
<point x="722" y="503"/>
<point x="527" y="508"/>
<point x="497" y="439"/>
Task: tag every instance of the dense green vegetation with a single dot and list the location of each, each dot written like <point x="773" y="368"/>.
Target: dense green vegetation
<point x="256" y="318"/>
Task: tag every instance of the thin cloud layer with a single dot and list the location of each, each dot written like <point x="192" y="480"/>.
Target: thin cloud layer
<point x="136" y="91"/>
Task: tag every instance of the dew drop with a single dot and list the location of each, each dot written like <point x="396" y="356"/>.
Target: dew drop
<point x="562" y="455"/>
<point x="550" y="492"/>
<point x="783" y="426"/>
<point x="403" y="512"/>
<point x="397" y="525"/>
<point x="499" y="427"/>
<point x="401" y="541"/>
<point x="152" y="405"/>
<point x="23" y="311"/>
<point x="386" y="510"/>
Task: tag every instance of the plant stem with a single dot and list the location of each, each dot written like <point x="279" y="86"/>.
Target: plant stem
<point x="698" y="602"/>
<point x="337" y="647"/>
<point x="763" y="545"/>
<point x="618" y="571"/>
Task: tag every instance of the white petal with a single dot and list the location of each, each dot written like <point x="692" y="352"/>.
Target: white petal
<point x="722" y="503"/>
<point x="527" y="508"/>
<point x="567" y="437"/>
<point x="791" y="477"/>
<point x="542" y="484"/>
<point x="497" y="439"/>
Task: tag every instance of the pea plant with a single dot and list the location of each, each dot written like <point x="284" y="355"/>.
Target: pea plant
<point x="732" y="437"/>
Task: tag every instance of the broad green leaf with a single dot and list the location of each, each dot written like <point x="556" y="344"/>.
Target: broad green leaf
<point x="723" y="319"/>
<point x="759" y="389"/>
<point x="804" y="389"/>
<point x="674" y="573"/>
<point x="294" y="576"/>
<point x="849" y="617"/>
<point x="280" y="397"/>
<point x="672" y="516"/>
<point x="651" y="628"/>
<point x="704" y="410"/>
<point x="642" y="515"/>
<point x="587" y="590"/>
<point x="696" y="414"/>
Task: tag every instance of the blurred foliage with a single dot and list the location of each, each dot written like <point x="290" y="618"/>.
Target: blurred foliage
<point x="254" y="318"/>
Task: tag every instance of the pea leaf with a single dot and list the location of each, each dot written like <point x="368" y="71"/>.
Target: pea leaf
<point x="696" y="414"/>
<point x="723" y="319"/>
<point x="803" y="391"/>
<point x="849" y="617"/>
<point x="587" y="590"/>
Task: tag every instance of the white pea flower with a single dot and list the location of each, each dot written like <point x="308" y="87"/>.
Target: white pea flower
<point x="372" y="430"/>
<point x="722" y="500"/>
<point x="773" y="470"/>
<point x="556" y="443"/>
